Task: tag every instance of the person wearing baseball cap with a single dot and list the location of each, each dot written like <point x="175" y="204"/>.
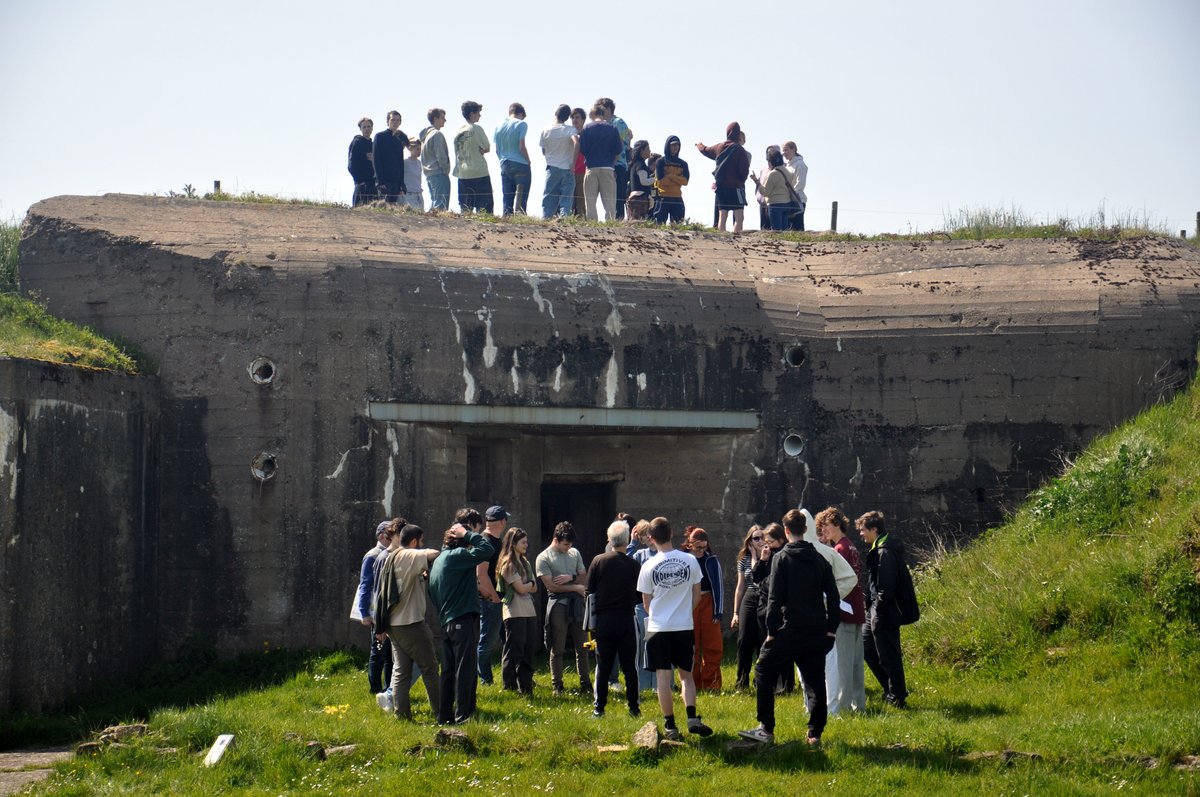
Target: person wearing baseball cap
<point x="490" y="604"/>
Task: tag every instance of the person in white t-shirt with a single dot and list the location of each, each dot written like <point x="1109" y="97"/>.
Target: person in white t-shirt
<point x="670" y="585"/>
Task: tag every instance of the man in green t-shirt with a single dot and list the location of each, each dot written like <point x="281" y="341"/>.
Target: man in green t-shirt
<point x="470" y="145"/>
<point x="560" y="568"/>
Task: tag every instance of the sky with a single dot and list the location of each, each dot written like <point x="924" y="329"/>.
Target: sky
<point x="905" y="113"/>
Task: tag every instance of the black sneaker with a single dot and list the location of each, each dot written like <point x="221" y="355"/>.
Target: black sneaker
<point x="635" y="711"/>
<point x="696" y="726"/>
<point x="597" y="712"/>
<point x="673" y="735"/>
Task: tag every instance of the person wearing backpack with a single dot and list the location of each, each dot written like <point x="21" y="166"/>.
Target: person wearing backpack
<point x="890" y="604"/>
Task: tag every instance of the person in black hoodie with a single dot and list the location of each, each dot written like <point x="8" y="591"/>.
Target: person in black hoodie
<point x="802" y="620"/>
<point x="359" y="163"/>
<point x="881" y="634"/>
<point x="671" y="175"/>
<point x="391" y="146"/>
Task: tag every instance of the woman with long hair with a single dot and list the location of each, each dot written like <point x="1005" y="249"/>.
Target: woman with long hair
<point x="774" y="538"/>
<point x="518" y="585"/>
<point x="707" y="616"/>
<point x="745" y="602"/>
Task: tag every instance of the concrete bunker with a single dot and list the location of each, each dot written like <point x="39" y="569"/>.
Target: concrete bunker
<point x="572" y="372"/>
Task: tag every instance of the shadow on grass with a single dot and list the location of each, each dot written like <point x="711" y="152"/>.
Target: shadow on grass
<point x="935" y="760"/>
<point x="965" y="712"/>
<point x="197" y="676"/>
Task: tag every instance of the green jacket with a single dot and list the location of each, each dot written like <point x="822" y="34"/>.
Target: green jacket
<point x="452" y="585"/>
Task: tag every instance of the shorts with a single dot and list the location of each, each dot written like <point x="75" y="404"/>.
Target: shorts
<point x="667" y="649"/>
<point x="731" y="198"/>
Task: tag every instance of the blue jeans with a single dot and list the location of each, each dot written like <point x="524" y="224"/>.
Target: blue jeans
<point x="489" y="636"/>
<point x="781" y="215"/>
<point x="439" y="191"/>
<point x="559" y="196"/>
<point x="379" y="663"/>
<point x="515" y="179"/>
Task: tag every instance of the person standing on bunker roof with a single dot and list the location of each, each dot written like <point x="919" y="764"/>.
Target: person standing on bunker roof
<point x="670" y="176"/>
<point x="361" y="165"/>
<point x="558" y="146"/>
<point x="391" y="146"/>
<point x="515" y="172"/>
<point x="470" y="145"/>
<point x="435" y="160"/>
<point x="733" y="167"/>
<point x="490" y="606"/>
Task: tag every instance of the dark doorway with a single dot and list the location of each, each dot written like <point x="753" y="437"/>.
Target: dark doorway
<point x="589" y="507"/>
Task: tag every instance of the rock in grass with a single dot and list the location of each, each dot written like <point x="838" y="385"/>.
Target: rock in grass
<point x="612" y="748"/>
<point x="315" y="749"/>
<point x="666" y="745"/>
<point x="449" y="737"/>
<point x="647" y="737"/>
<point x="119" y="733"/>
<point x="88" y="748"/>
<point x="341" y="750"/>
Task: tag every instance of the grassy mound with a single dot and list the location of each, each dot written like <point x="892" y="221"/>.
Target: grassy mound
<point x="1101" y="565"/>
<point x="28" y="331"/>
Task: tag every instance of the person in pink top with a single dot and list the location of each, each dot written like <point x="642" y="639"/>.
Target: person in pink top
<point x="845" y="684"/>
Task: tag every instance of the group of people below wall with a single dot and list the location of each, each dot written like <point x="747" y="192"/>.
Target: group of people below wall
<point x="651" y="609"/>
<point x="591" y="160"/>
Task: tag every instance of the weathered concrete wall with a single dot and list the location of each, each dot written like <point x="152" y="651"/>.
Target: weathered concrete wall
<point x="77" y="532"/>
<point x="938" y="382"/>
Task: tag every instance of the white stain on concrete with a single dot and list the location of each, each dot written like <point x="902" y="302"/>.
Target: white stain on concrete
<point x="489" y="345"/>
<point x="389" y="486"/>
<point x="610" y="381"/>
<point x="544" y="305"/>
<point x="641" y="381"/>
<point x="857" y="479"/>
<point x="558" y="375"/>
<point x="515" y="372"/>
<point x="346" y="454"/>
<point x="613" y="322"/>
<point x="9" y="430"/>
<point x="469" y="390"/>
<point x="839" y="344"/>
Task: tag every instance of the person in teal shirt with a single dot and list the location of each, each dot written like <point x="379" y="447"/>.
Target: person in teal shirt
<point x="453" y="590"/>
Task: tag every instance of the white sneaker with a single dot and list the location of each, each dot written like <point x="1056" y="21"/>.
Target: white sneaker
<point x="759" y="734"/>
<point x="384" y="700"/>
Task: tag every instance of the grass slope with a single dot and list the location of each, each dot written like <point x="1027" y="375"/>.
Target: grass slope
<point x="1068" y="636"/>
<point x="28" y="331"/>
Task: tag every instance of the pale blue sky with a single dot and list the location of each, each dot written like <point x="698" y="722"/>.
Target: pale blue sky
<point x="902" y="110"/>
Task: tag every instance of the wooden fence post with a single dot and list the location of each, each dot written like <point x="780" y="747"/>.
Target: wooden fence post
<point x="833" y="218"/>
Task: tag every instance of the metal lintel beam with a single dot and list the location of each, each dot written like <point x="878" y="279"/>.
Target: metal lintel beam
<point x="594" y="417"/>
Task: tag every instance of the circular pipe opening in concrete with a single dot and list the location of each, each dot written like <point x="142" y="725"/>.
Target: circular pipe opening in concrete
<point x="263" y="466"/>
<point x="794" y="356"/>
<point x="793" y="445"/>
<point x="262" y="371"/>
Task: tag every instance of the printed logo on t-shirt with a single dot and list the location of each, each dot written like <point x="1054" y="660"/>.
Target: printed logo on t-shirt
<point x="670" y="573"/>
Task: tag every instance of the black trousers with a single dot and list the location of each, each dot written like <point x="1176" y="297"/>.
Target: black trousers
<point x="460" y="649"/>
<point x="616" y="640"/>
<point x="881" y="650"/>
<point x="749" y="638"/>
<point x="779" y="656"/>
<point x="379" y="664"/>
